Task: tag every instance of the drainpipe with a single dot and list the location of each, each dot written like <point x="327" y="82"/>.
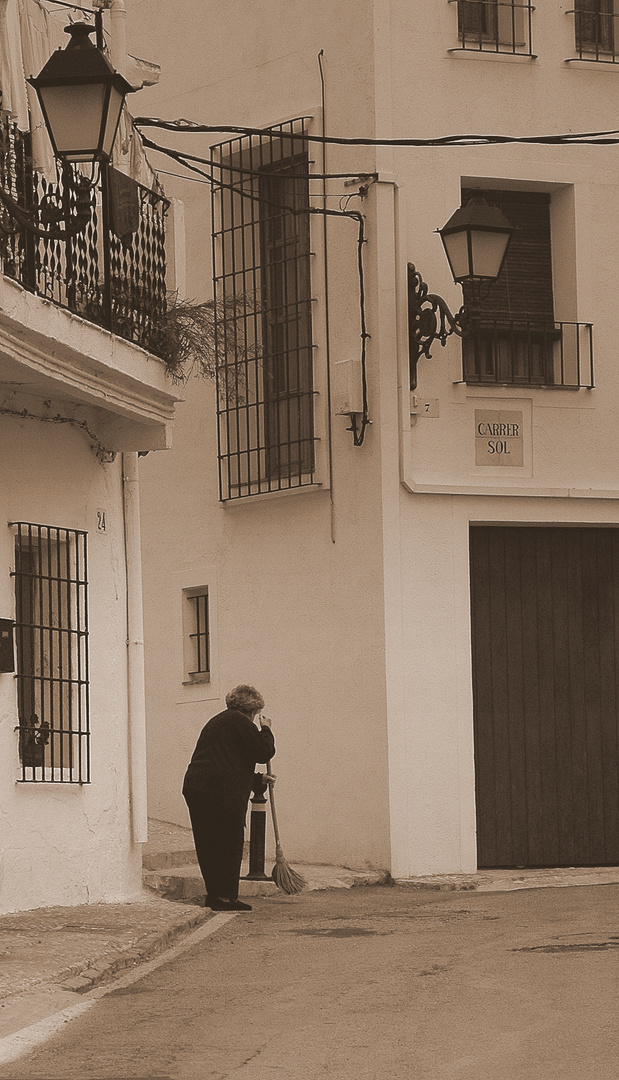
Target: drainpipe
<point x="118" y="35"/>
<point x="135" y="651"/>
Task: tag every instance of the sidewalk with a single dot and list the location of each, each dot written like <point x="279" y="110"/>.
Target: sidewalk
<point x="78" y="948"/>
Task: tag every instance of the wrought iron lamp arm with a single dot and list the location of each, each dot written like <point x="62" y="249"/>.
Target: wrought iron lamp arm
<point x="429" y="319"/>
<point x="74" y="222"/>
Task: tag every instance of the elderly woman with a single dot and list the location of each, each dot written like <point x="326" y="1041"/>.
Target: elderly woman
<point x="217" y="787"/>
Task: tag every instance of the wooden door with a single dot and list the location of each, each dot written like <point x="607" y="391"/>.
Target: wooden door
<point x="545" y="631"/>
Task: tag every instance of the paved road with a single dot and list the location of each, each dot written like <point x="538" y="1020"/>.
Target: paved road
<point x="368" y="984"/>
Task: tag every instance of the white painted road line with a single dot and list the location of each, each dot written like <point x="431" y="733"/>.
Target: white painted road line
<point x="27" y="1039"/>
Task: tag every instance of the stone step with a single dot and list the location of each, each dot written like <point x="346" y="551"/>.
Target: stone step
<point x="166" y="860"/>
<point x="185" y="883"/>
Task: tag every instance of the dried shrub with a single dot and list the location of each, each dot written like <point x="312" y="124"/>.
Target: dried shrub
<point x="206" y="340"/>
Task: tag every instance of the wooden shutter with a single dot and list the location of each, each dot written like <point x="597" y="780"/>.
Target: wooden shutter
<point x="524" y="288"/>
<point x="477" y="19"/>
<point x="595" y="25"/>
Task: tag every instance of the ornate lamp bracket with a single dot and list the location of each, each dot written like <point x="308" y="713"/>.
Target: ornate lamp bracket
<point x="53" y="220"/>
<point x="429" y="319"/>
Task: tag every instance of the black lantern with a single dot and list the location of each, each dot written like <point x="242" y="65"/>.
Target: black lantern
<point x="476" y="239"/>
<point x="81" y="97"/>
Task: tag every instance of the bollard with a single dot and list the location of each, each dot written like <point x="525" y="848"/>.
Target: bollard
<point x="257" y="831"/>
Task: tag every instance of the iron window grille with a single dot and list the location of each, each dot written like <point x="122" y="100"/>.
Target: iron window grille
<point x="500" y="26"/>
<point x="263" y="318"/>
<point x="595" y="31"/>
<point x="513" y="337"/>
<point x="199" y="635"/>
<point x="51" y="630"/>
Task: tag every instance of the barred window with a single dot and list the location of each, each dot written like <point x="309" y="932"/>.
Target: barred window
<point x="495" y="25"/>
<point x="261" y="235"/>
<point x="197" y="660"/>
<point x="594" y="30"/>
<point x="51" y="628"/>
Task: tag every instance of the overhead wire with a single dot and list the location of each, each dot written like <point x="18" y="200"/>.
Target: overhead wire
<point x="596" y="138"/>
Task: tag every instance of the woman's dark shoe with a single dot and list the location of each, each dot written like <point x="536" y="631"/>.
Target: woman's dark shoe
<point x="227" y="905"/>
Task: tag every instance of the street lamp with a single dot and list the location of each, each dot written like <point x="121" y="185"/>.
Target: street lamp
<point x="81" y="98"/>
<point x="476" y="239"/>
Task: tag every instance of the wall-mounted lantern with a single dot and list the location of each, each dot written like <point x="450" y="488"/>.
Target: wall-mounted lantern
<point x="81" y="98"/>
<point x="476" y="239"/>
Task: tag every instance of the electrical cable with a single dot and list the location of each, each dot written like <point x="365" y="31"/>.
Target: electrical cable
<point x="75" y="7"/>
<point x="256" y="172"/>
<point x="357" y="429"/>
<point x="595" y="138"/>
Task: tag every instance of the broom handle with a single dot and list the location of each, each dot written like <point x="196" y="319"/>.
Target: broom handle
<point x="273" y="813"/>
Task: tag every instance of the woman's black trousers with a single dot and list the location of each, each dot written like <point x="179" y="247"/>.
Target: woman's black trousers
<point x="218" y="834"/>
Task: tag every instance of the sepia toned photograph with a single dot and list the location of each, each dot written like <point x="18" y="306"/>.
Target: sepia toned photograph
<point x="309" y="540"/>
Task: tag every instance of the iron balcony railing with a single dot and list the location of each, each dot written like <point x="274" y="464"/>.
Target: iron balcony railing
<point x="529" y="353"/>
<point x="116" y="281"/>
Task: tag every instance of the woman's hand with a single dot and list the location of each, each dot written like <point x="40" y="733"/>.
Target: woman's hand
<point x="270" y="778"/>
<point x="265" y="721"/>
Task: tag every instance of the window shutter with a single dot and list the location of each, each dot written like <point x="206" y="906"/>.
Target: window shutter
<point x="524" y="289"/>
<point x="595" y="24"/>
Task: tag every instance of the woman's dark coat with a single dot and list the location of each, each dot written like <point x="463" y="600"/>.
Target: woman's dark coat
<point x="217" y="787"/>
<point x="225" y="758"/>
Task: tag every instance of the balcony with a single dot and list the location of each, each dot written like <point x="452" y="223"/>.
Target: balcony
<point x="520" y="353"/>
<point x="116" y="282"/>
<point x="53" y="364"/>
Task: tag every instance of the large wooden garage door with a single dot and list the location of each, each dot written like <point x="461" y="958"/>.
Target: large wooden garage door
<point x="545" y="622"/>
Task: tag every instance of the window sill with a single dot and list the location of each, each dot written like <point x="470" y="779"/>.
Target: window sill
<point x="199" y="677"/>
<point x="260" y="496"/>
<point x="594" y="62"/>
<point x="480" y="384"/>
<point x="483" y="54"/>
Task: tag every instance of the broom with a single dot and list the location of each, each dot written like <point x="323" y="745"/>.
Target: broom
<point x="286" y="879"/>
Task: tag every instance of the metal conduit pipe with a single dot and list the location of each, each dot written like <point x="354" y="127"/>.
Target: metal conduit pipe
<point x="136" y="690"/>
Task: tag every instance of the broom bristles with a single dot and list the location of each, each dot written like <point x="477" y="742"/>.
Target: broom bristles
<point x="286" y="879"/>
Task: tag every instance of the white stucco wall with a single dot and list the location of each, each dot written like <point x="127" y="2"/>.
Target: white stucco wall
<point x="61" y="843"/>
<point x="362" y="646"/>
<point x="293" y="614"/>
<point x="570" y="436"/>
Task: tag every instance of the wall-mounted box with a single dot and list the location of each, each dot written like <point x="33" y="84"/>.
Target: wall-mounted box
<point x="347" y="387"/>
<point x="7" y="653"/>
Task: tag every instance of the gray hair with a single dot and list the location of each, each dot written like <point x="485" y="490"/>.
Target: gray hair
<point x="245" y="698"/>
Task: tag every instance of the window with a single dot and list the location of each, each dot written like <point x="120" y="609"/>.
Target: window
<point x="197" y="660"/>
<point x="495" y="25"/>
<point x="263" y="326"/>
<point x="514" y="338"/>
<point x="51" y="629"/>
<point x="594" y="30"/>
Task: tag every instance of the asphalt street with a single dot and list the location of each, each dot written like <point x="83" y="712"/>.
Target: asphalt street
<point x="367" y="983"/>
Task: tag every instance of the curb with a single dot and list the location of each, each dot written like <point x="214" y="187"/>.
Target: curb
<point x="439" y="884"/>
<point x="82" y="980"/>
